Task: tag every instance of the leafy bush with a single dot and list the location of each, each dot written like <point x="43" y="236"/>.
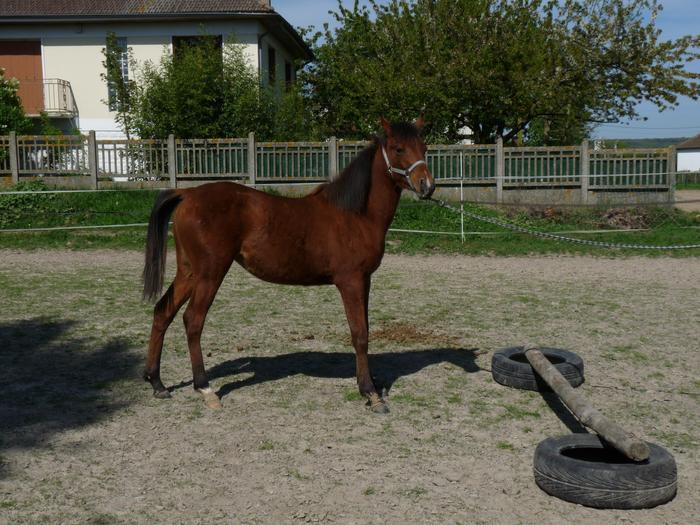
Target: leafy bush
<point x="19" y="207"/>
<point x="12" y="117"/>
<point x="205" y="92"/>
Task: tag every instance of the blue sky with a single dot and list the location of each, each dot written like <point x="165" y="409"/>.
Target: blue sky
<point x="679" y="17"/>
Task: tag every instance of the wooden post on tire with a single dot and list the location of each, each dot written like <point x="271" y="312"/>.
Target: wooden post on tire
<point x="613" y="433"/>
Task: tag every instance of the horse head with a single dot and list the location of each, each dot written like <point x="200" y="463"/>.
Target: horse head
<point x="404" y="153"/>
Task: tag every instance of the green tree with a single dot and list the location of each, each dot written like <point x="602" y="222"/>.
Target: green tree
<point x="207" y="91"/>
<point x="498" y="67"/>
<point x="121" y="90"/>
<point x="12" y="117"/>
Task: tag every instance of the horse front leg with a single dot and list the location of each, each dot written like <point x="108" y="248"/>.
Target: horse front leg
<point x="355" y="294"/>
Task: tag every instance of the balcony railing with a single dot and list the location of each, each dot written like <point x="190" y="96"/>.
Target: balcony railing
<point x="53" y="96"/>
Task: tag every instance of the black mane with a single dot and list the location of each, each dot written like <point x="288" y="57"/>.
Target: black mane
<point x="350" y="189"/>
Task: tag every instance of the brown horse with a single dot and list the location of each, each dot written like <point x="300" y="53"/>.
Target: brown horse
<point x="335" y="235"/>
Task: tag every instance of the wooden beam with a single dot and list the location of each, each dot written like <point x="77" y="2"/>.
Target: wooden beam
<point x="613" y="433"/>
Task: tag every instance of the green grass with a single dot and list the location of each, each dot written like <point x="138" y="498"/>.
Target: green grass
<point x="49" y="210"/>
<point x="352" y="395"/>
<point x="266" y="445"/>
<point x="688" y="186"/>
<point x="625" y="353"/>
<point x="516" y="412"/>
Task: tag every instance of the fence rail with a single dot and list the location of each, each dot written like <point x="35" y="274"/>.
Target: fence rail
<point x="86" y="161"/>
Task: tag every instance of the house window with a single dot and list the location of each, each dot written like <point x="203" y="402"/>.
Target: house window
<point x="180" y="43"/>
<point x="271" y="65"/>
<point x="288" y="74"/>
<point x="124" y="67"/>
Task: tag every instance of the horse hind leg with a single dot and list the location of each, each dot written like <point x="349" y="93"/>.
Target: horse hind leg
<point x="194" y="317"/>
<point x="163" y="314"/>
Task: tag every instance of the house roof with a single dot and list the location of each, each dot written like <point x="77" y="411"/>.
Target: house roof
<point x="693" y="143"/>
<point x="73" y="8"/>
<point x="86" y="11"/>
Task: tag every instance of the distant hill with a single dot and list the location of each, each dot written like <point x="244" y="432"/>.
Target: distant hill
<point x="643" y="143"/>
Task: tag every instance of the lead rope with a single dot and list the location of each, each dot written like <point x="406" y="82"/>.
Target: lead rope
<point x="546" y="235"/>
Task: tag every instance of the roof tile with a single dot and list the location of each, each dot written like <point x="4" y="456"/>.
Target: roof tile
<point x="40" y="8"/>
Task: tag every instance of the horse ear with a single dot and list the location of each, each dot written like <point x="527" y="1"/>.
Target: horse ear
<point x="386" y="125"/>
<point x="420" y="123"/>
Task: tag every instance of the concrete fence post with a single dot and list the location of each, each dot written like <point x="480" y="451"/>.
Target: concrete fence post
<point x="672" y="166"/>
<point x="252" y="159"/>
<point x="172" y="161"/>
<point x="585" y="171"/>
<point x="500" y="169"/>
<point x="14" y="164"/>
<point x="92" y="158"/>
<point x="332" y="157"/>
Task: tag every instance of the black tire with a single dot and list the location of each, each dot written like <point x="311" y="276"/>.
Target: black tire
<point x="581" y="468"/>
<point x="510" y="367"/>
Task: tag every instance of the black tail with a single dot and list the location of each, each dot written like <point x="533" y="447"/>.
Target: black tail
<point x="157" y="243"/>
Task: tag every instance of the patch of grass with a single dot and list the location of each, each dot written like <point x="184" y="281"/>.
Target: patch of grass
<point x="266" y="445"/>
<point x="412" y="400"/>
<point x="102" y="519"/>
<point x="478" y="407"/>
<point x="352" y="395"/>
<point x="414" y="493"/>
<point x="679" y="440"/>
<point x="8" y="504"/>
<point x="527" y="299"/>
<point x="127" y="207"/>
<point x="625" y="353"/>
<point x="504" y="445"/>
<point x="293" y="473"/>
<point x="454" y="399"/>
<point x="516" y="412"/>
<point x="369" y="491"/>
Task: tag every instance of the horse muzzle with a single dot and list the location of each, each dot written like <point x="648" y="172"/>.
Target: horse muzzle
<point x="426" y="189"/>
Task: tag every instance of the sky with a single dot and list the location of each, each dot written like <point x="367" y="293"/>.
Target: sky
<point x="678" y="18"/>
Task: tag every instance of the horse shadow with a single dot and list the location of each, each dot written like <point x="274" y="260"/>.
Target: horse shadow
<point x="53" y="380"/>
<point x="387" y="367"/>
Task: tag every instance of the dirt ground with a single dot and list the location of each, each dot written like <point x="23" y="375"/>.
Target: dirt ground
<point x="688" y="200"/>
<point x="84" y="441"/>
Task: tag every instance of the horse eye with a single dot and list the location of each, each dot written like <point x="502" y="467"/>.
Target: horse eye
<point x="399" y="151"/>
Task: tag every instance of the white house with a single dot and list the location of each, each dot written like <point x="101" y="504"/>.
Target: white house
<point x="689" y="155"/>
<point x="54" y="48"/>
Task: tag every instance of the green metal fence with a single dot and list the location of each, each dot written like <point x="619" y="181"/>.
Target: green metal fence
<point x="172" y="161"/>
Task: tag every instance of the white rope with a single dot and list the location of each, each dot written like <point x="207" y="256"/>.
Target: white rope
<point x="57" y="228"/>
<point x="557" y="237"/>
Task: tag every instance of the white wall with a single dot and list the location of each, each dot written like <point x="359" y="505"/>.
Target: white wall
<point x="73" y="52"/>
<point x="688" y="161"/>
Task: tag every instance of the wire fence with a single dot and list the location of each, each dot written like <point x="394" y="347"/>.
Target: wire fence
<point x="465" y="220"/>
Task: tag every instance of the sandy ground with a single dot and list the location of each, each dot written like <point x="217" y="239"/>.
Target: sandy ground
<point x="688" y="195"/>
<point x="83" y="440"/>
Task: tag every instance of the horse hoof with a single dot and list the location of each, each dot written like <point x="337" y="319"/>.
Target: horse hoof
<point x="381" y="408"/>
<point x="378" y="405"/>
<point x="211" y="399"/>
<point x="162" y="394"/>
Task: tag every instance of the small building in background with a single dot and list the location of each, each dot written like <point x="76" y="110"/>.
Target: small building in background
<point x="689" y="155"/>
<point x="54" y="48"/>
